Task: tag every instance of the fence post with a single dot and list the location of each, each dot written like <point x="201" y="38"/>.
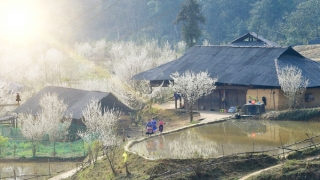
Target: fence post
<point x="311" y="141"/>
<point x="14" y="173"/>
<point x="252" y="146"/>
<point x="282" y="147"/>
<point x="49" y="167"/>
<point x="222" y="154"/>
<point x="14" y="149"/>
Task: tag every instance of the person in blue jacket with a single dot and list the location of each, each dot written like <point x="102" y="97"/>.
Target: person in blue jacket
<point x="154" y="124"/>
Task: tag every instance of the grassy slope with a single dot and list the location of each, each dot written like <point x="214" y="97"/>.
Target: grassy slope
<point x="302" y="166"/>
<point x="141" y="168"/>
<point x="309" y="51"/>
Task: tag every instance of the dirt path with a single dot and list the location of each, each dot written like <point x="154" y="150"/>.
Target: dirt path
<point x="258" y="172"/>
<point x="65" y="175"/>
<point x="69" y="173"/>
<point x="273" y="167"/>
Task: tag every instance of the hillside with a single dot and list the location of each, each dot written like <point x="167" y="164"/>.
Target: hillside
<point x="309" y="51"/>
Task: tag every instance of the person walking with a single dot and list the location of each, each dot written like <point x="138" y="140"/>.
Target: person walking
<point x="154" y="125"/>
<point x="149" y="129"/>
<point x="161" y="123"/>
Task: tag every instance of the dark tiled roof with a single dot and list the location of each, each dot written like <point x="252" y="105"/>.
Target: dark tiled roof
<point x="258" y="40"/>
<point x="76" y="100"/>
<point x="237" y="65"/>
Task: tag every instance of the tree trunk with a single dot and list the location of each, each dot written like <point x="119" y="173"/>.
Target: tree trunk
<point x="111" y="163"/>
<point x="191" y="113"/>
<point x="54" y="149"/>
<point x="34" y="149"/>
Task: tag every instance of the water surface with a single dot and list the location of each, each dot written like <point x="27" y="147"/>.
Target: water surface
<point x="226" y="138"/>
<point x="33" y="170"/>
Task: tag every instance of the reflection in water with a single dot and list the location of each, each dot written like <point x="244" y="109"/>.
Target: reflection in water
<point x="191" y="144"/>
<point x="39" y="170"/>
<point x="226" y="138"/>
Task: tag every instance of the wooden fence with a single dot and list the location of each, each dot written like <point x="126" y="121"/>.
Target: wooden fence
<point x="280" y="152"/>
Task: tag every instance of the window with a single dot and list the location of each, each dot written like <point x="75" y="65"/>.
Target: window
<point x="309" y="97"/>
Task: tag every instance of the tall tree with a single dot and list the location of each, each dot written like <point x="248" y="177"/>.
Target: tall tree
<point x="190" y="16"/>
<point x="303" y="24"/>
<point x="192" y="86"/>
<point x="101" y="124"/>
<point x="267" y="18"/>
<point x="57" y="123"/>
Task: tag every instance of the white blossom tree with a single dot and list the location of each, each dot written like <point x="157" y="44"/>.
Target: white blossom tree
<point x="57" y="119"/>
<point x="101" y="126"/>
<point x="5" y="97"/>
<point x="129" y="59"/>
<point x="50" y="120"/>
<point x="192" y="86"/>
<point x="292" y="83"/>
<point x="33" y="129"/>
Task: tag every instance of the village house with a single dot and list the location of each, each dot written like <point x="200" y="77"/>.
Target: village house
<point x="246" y="69"/>
<point x="77" y="100"/>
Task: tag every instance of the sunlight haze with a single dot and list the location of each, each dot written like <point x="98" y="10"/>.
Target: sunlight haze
<point x="20" y="20"/>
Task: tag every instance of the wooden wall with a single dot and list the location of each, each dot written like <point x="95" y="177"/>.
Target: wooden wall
<point x="274" y="97"/>
<point x="233" y="97"/>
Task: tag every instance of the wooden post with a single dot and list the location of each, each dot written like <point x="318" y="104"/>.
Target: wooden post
<point x="49" y="167"/>
<point x="14" y="172"/>
<point x="274" y="103"/>
<point x="222" y="153"/>
<point x="175" y="103"/>
<point x="252" y="146"/>
<point x="282" y="147"/>
<point x="311" y="141"/>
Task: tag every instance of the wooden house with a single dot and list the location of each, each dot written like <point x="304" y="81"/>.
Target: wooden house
<point x="77" y="100"/>
<point x="246" y="69"/>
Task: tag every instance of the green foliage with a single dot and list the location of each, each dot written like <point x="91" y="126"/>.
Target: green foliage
<point x="3" y="140"/>
<point x="14" y="148"/>
<point x="190" y="16"/>
<point x="304" y="23"/>
<point x="256" y="99"/>
<point x="299" y="114"/>
<point x="303" y="154"/>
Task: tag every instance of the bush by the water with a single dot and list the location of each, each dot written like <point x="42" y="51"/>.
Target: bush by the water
<point x="299" y="114"/>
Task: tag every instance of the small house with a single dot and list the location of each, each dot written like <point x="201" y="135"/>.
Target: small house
<point x="77" y="100"/>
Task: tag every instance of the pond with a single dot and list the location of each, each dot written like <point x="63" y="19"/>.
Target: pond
<point x="226" y="138"/>
<point x="33" y="170"/>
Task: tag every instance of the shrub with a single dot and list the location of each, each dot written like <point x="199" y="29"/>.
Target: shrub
<point x="299" y="114"/>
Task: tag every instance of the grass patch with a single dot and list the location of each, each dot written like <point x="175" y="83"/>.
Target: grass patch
<point x="297" y="167"/>
<point x="211" y="168"/>
<point x="22" y="149"/>
<point x="304" y="154"/>
<point x="299" y="114"/>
